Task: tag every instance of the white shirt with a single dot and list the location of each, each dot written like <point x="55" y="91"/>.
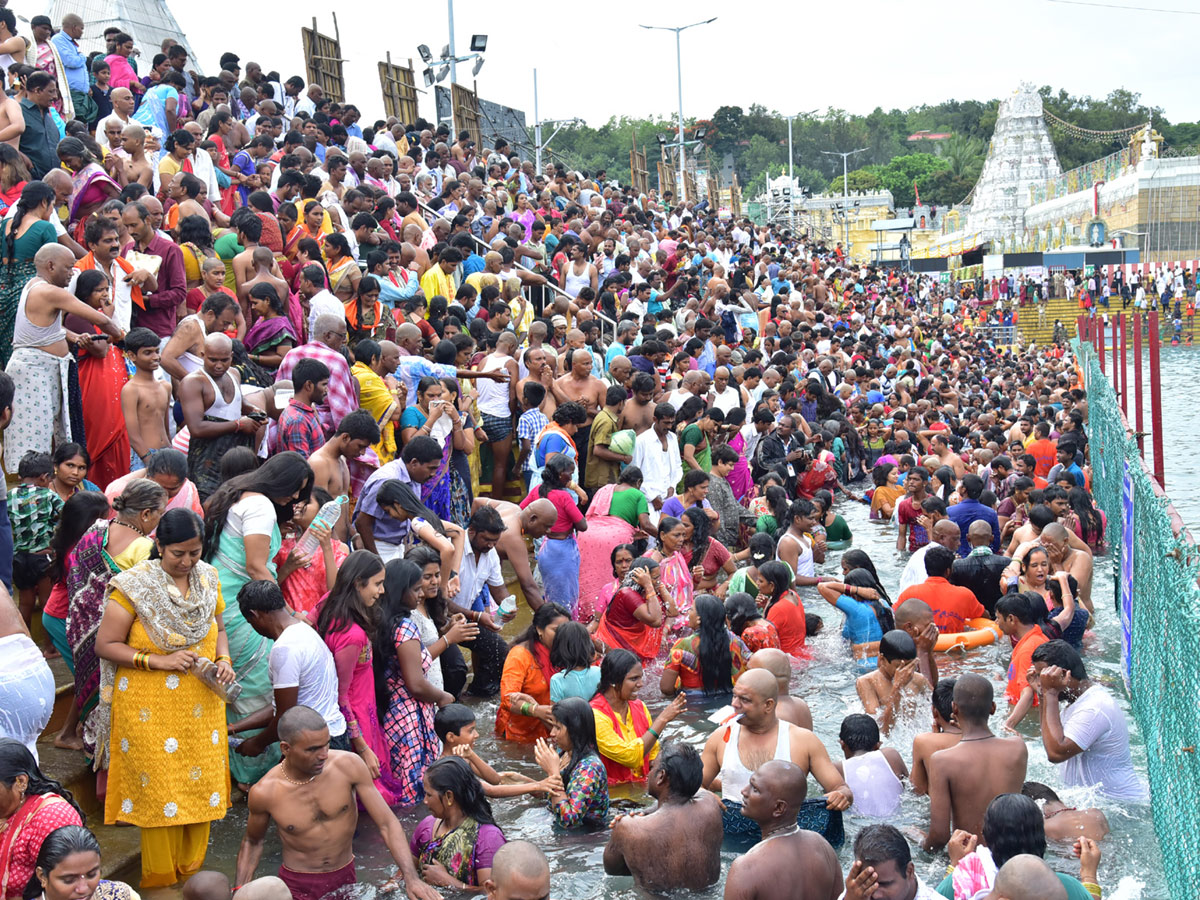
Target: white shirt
<point x="661" y="470"/>
<point x="914" y="572"/>
<point x="300" y="659"/>
<point x="728" y="399"/>
<point x="474" y="573"/>
<point x="324" y="303"/>
<point x="1095" y="723"/>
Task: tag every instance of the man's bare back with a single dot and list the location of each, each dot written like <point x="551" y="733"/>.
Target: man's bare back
<point x="804" y="862"/>
<point x="330" y="472"/>
<point x="676" y="846"/>
<point x="924" y="746"/>
<point x="973" y="774"/>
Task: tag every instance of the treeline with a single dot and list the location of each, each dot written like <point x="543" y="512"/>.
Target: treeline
<point x="943" y="171"/>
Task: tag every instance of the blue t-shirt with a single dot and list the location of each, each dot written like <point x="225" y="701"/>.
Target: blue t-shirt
<point x="862" y="625"/>
<point x="581" y="683"/>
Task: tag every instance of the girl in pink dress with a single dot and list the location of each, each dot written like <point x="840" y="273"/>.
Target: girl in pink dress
<point x="345" y="618"/>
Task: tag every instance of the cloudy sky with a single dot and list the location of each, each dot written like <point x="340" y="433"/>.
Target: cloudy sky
<point x="594" y="61"/>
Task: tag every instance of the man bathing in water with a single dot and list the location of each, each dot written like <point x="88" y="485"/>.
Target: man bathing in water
<point x="787" y="708"/>
<point x="311" y="796"/>
<point x="737" y="749"/>
<point x="678" y="844"/>
<point x="787" y="854"/>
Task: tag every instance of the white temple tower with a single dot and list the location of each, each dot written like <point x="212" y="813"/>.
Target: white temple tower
<point x="148" y="22"/>
<point x="1020" y="155"/>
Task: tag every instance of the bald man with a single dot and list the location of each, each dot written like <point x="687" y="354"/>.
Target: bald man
<point x="788" y="708"/>
<point x="786" y="855"/>
<point x="533" y="521"/>
<point x="520" y="871"/>
<point x="41" y="358"/>
<point x="740" y="747"/>
<point x="946" y="534"/>
<point x="980" y="570"/>
<point x="215" y="413"/>
<point x="1026" y="877"/>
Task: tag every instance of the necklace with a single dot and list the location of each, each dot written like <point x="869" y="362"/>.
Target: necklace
<point x="968" y="740"/>
<point x="283" y="772"/>
<point x="132" y="527"/>
<point x="783" y="832"/>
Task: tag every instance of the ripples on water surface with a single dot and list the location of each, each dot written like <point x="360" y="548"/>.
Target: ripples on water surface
<point x="1130" y="854"/>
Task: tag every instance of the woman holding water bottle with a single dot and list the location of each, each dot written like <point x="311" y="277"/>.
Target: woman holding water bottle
<point x="160" y="722"/>
<point x="242" y="530"/>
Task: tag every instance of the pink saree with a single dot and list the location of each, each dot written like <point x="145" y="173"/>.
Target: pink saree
<point x="595" y="553"/>
<point x="739" y="478"/>
<point x="677" y="578"/>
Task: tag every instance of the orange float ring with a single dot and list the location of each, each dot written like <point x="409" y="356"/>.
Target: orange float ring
<point x="982" y="632"/>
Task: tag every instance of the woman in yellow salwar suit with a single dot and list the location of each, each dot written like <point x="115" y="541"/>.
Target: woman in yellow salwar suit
<point x="161" y="729"/>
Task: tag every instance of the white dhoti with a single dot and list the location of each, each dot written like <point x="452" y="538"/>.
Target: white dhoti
<point x="42" y="418"/>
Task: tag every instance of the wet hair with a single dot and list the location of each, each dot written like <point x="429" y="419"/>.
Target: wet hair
<point x="1013" y="825"/>
<point x="714" y="658"/>
<point x="612" y="557"/>
<point x="576" y="716"/>
<point x="616" y="665"/>
<point x="877" y="844"/>
<point x="701" y="532"/>
<point x="1039" y="792"/>
<point x="780" y="576"/>
<point x="452" y="719"/>
<point x="79" y="513"/>
<point x="683" y="767"/>
<point x="57" y="846"/>
<point x="1063" y="655"/>
<point x="572" y="647"/>
<point x="543" y="618"/>
<point x="556" y="474"/>
<point x="943" y="698"/>
<point x="883" y="612"/>
<point x="897" y="645"/>
<point x="938" y="560"/>
<point x="453" y="775"/>
<point x="400" y="577"/>
<point x="1018" y="605"/>
<point x="740" y="610"/>
<point x="1041" y="515"/>
<point x="342" y="607"/>
<point x="859" y="732"/>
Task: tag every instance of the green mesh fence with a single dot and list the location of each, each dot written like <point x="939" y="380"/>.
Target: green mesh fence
<point x="1165" y="638"/>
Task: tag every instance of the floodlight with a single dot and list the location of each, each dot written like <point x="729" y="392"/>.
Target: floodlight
<point x="662" y="138"/>
<point x="443" y="72"/>
<point x="700" y="132"/>
<point x="427" y="74"/>
<point x="423" y="52"/>
<point x="478" y="65"/>
<point x="446" y="51"/>
<point x="478" y="43"/>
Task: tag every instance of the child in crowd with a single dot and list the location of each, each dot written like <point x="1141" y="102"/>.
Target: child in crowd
<point x="945" y="733"/>
<point x="303" y="587"/>
<point x="1018" y="619"/>
<point x="896" y="681"/>
<point x="34" y="510"/>
<point x="529" y="426"/>
<point x="455" y="727"/>
<point x="145" y="399"/>
<point x="573" y="655"/>
<point x="875" y="775"/>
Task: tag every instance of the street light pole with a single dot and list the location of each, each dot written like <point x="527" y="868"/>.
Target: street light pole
<point x="791" y="181"/>
<point x="845" y="192"/>
<point x="679" y="79"/>
<point x="453" y="61"/>
<point x="537" y="130"/>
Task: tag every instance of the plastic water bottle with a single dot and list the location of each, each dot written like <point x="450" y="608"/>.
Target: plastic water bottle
<point x="328" y="515"/>
<point x="206" y="670"/>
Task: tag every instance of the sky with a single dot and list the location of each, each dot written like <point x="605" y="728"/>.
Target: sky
<point x="594" y="61"/>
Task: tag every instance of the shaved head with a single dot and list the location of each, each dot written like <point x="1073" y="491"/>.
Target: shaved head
<point x="298" y="719"/>
<point x="1026" y="877"/>
<point x="1056" y="532"/>
<point x="774" y="661"/>
<point x="980" y="532"/>
<point x="520" y="871"/>
<point x="973" y="696"/>
<point x="784" y="781"/>
<point x="269" y="887"/>
<point x="217" y="342"/>
<point x="760" y="682"/>
<point x="914" y="612"/>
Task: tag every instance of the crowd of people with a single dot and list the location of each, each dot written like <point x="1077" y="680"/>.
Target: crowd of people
<point x="295" y="409"/>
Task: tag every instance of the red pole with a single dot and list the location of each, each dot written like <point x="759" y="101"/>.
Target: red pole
<point x="1137" y="383"/>
<point x="1124" y="370"/>
<point x="1116" y="368"/>
<point x="1098" y="341"/>
<point x="1156" y="425"/>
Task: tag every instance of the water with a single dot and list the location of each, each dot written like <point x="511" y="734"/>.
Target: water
<point x="1178" y="368"/>
<point x="827" y="683"/>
